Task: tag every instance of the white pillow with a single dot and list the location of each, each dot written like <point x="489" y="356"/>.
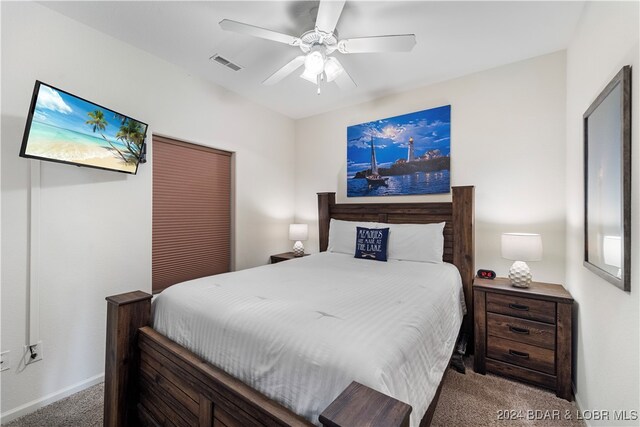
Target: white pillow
<point x="342" y="235"/>
<point x="416" y="242"/>
<point x="407" y="242"/>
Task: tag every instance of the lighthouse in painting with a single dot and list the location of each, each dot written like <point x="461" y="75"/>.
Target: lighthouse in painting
<point x="411" y="156"/>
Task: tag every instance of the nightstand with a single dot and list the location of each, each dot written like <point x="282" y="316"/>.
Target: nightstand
<point x="283" y="257"/>
<point x="524" y="333"/>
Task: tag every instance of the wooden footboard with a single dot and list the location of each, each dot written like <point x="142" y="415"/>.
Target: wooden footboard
<point x="126" y="313"/>
<point x="152" y="381"/>
<point x="179" y="387"/>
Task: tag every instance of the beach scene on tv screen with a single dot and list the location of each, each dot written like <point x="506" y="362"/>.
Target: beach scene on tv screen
<point x="73" y="130"/>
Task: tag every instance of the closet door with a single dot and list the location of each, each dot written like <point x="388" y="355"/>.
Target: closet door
<point x="191" y="212"/>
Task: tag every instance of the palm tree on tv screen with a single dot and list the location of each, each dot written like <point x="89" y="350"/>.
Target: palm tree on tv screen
<point x="98" y="122"/>
<point x="131" y="135"/>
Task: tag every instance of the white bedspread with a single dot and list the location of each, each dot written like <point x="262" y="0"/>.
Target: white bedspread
<point x="300" y="331"/>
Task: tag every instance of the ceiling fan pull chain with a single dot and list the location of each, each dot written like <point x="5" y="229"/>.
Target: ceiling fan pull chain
<point x="318" y="82"/>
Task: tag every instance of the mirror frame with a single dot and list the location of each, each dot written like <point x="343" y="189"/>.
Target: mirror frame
<point x="622" y="80"/>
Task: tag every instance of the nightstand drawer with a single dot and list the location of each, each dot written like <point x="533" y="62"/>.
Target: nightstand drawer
<point x="521" y="330"/>
<point x="529" y="356"/>
<point x="526" y="308"/>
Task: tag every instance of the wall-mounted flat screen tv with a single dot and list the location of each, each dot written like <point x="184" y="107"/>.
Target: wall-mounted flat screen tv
<point x="64" y="128"/>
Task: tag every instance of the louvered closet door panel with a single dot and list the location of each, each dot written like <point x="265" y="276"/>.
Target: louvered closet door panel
<point x="191" y="212"/>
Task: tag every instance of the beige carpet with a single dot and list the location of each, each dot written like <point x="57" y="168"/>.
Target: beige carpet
<point x="466" y="400"/>
<point x="83" y="409"/>
<point x="481" y="400"/>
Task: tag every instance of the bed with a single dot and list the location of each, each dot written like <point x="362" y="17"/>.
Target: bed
<point x="151" y="378"/>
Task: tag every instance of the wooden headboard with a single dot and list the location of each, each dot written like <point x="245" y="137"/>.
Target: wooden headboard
<point x="459" y="247"/>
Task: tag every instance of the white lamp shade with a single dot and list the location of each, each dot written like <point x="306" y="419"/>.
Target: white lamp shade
<point x="522" y="246"/>
<point x="314" y="62"/>
<point x="332" y="69"/>
<point x="310" y="77"/>
<point x="298" y="232"/>
<point x="612" y="250"/>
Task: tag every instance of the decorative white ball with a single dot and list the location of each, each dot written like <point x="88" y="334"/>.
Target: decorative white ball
<point x="520" y="274"/>
<point x="298" y="249"/>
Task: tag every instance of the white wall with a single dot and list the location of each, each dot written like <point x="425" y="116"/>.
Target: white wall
<point x="96" y="228"/>
<point x="507" y="139"/>
<point x="513" y="136"/>
<point x="608" y="322"/>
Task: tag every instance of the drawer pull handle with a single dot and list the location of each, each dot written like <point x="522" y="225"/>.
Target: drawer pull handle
<point x="517" y="330"/>
<point x="519" y="354"/>
<point x="519" y="307"/>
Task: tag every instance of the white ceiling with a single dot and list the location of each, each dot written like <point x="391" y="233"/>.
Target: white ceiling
<point x="453" y="39"/>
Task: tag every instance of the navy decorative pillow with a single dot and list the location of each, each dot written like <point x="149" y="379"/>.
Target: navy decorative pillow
<point x="371" y="243"/>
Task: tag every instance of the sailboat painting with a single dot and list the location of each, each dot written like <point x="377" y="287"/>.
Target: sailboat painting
<point x="402" y="155"/>
<point x="374" y="177"/>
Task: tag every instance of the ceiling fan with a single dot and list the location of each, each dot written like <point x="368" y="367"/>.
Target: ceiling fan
<point x="318" y="44"/>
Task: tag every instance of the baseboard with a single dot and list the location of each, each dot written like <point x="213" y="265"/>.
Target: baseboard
<point x="34" y="405"/>
<point x="580" y="406"/>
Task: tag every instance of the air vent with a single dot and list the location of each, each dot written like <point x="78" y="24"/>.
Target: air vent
<point x="225" y="62"/>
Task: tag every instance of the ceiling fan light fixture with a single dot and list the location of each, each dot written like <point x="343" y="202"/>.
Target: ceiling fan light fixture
<point x="318" y="43"/>
<point x="310" y="77"/>
<point x="314" y="62"/>
<point x="332" y="69"/>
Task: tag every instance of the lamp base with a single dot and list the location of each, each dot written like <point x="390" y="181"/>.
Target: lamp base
<point x="520" y="274"/>
<point x="298" y="249"/>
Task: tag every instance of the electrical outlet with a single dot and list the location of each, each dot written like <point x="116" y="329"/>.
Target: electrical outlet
<point x="5" y="361"/>
<point x="33" y="353"/>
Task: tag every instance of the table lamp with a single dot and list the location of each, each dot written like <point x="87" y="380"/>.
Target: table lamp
<point x="297" y="233"/>
<point x="521" y="247"/>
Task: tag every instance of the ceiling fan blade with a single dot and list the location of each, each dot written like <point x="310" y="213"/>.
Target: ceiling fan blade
<point x="343" y="79"/>
<point x="328" y="14"/>
<point x="263" y="33"/>
<point x="283" y="72"/>
<point x="397" y="43"/>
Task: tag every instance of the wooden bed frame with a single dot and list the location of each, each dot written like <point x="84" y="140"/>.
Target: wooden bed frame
<point x="151" y="380"/>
